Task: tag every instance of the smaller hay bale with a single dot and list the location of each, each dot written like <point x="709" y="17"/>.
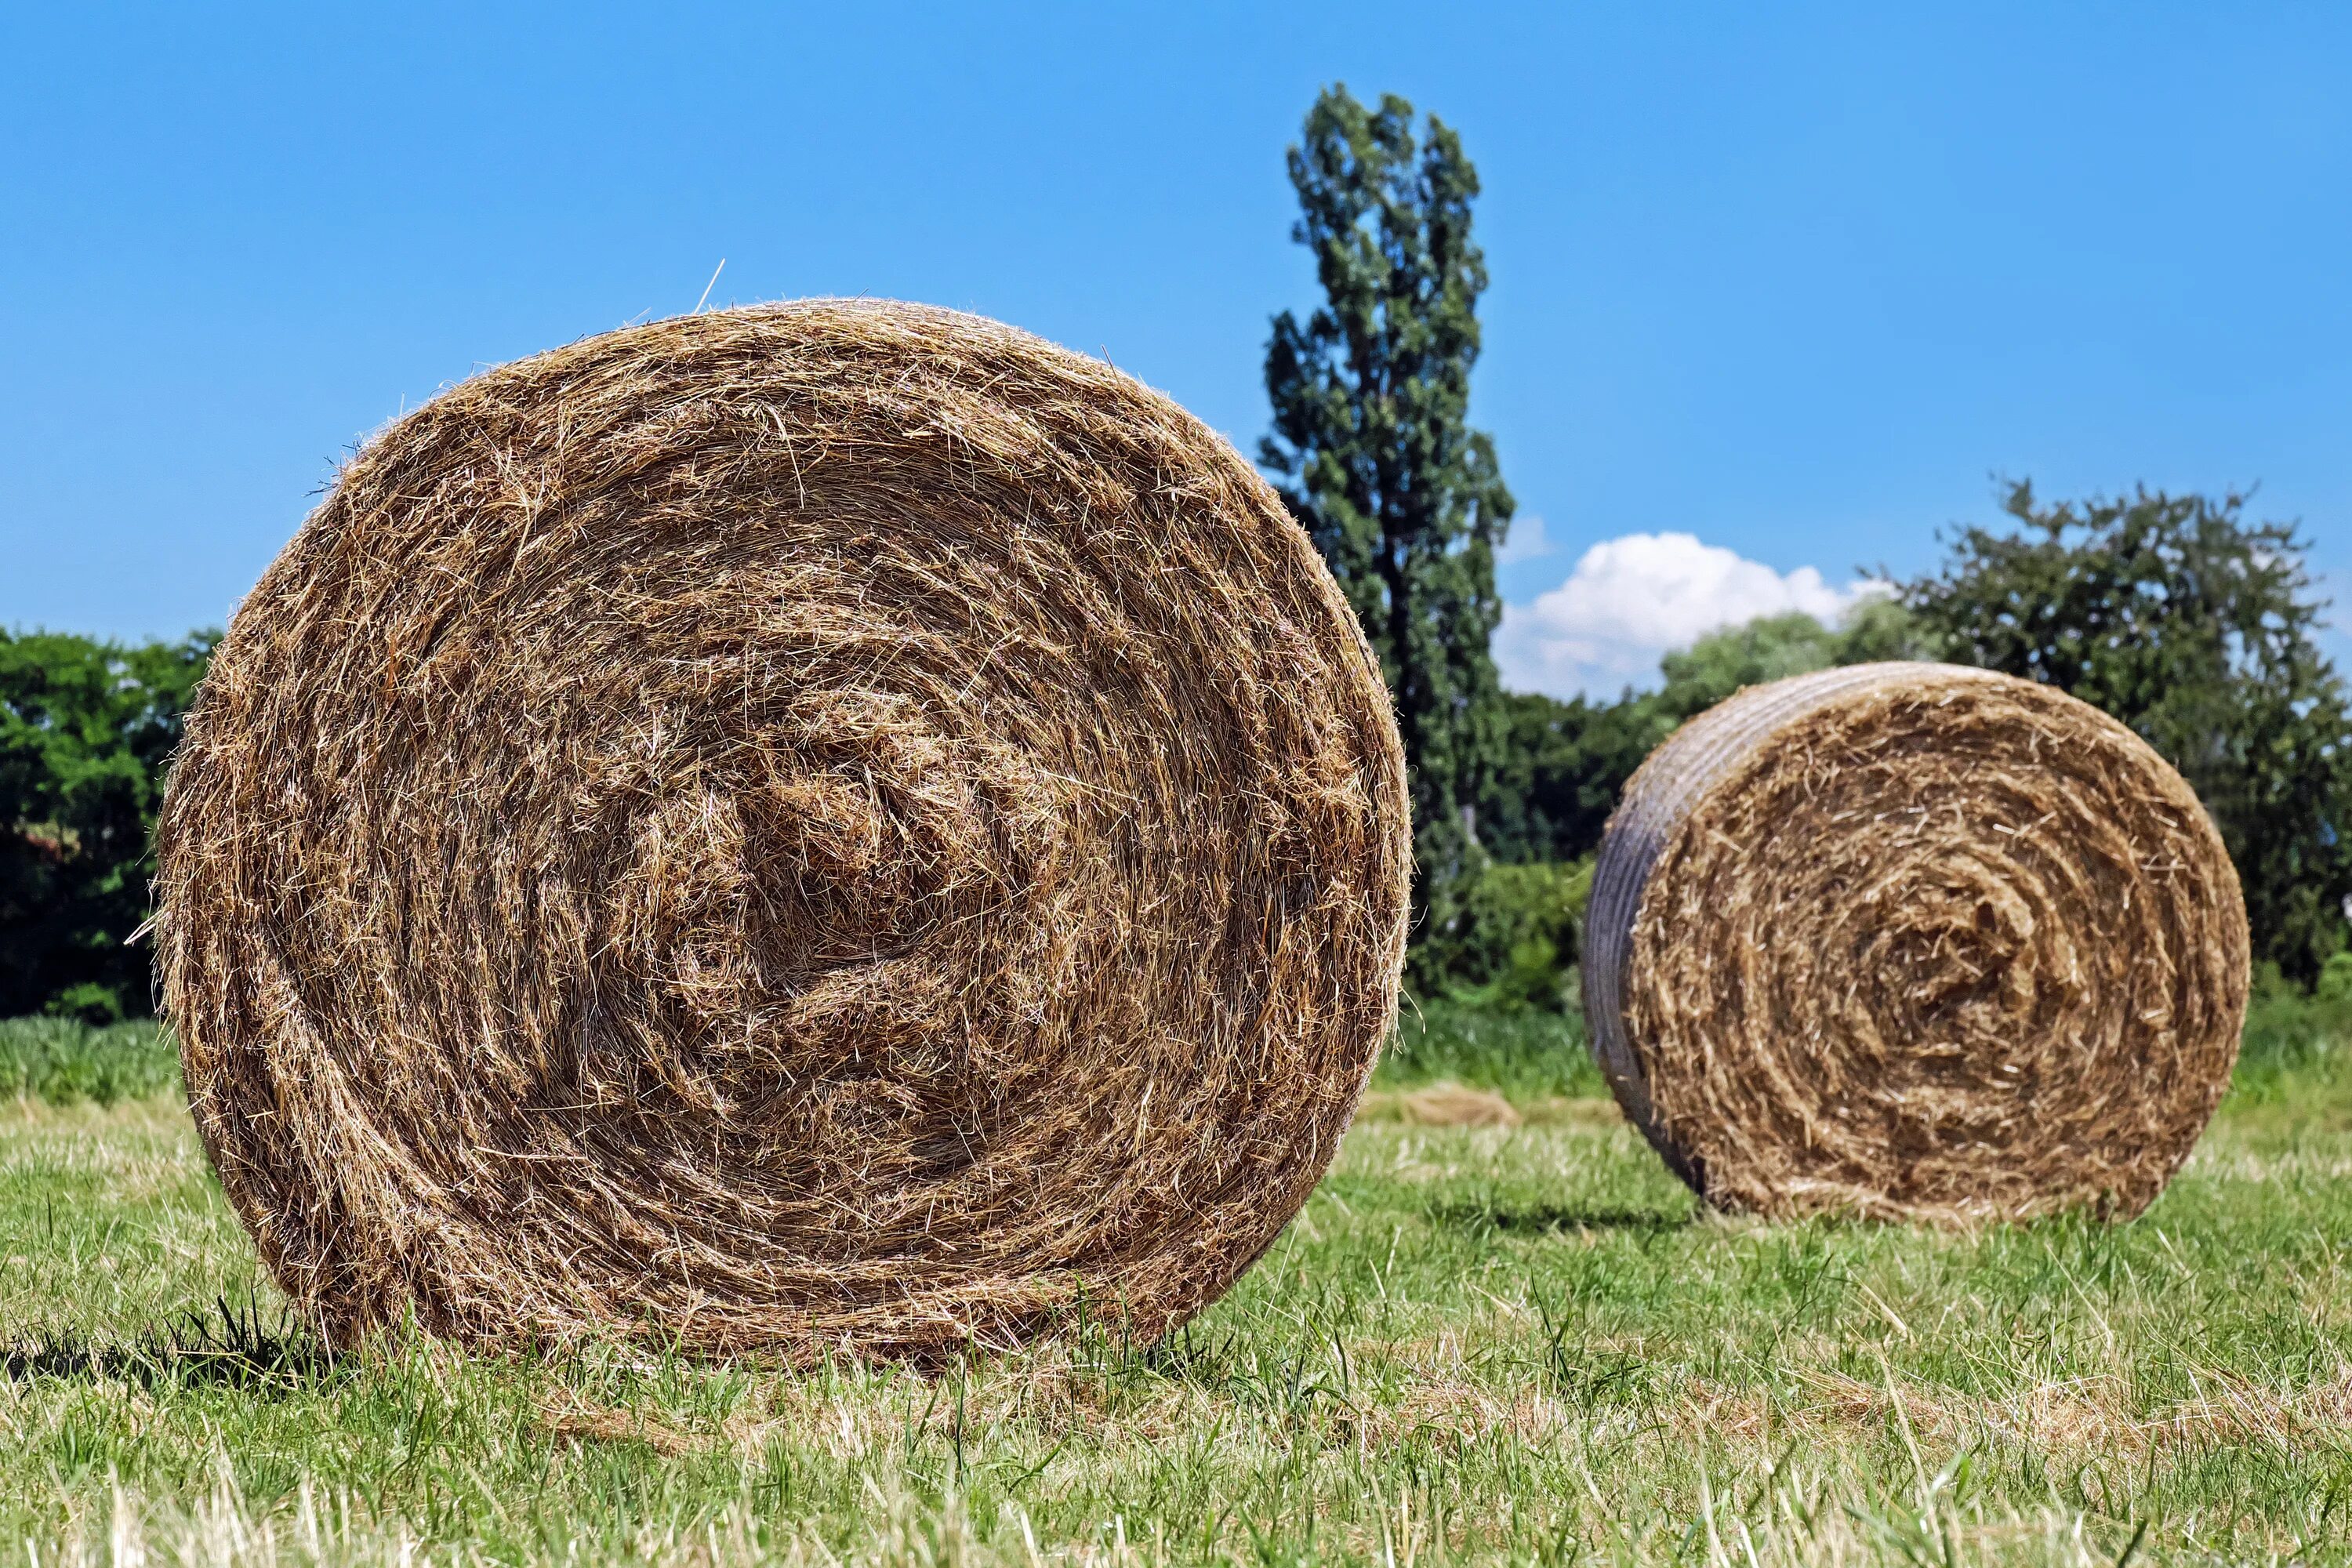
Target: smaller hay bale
<point x="1914" y="940"/>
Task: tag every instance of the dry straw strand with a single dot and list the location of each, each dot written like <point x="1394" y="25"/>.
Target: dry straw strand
<point x="837" y="826"/>
<point x="1914" y="940"/>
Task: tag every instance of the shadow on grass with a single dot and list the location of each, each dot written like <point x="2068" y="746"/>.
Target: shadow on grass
<point x="233" y="1347"/>
<point x="1556" y="1218"/>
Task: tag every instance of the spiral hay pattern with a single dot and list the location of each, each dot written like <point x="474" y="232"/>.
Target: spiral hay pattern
<point x="830" y="827"/>
<point x="1910" y="940"/>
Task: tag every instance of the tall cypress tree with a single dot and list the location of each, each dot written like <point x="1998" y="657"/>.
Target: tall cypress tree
<point x="1375" y="455"/>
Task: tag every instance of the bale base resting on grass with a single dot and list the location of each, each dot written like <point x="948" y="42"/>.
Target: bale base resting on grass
<point x="1913" y="940"/>
<point x="837" y="826"/>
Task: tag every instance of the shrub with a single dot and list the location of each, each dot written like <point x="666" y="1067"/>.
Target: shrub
<point x="2335" y="979"/>
<point x="1513" y="942"/>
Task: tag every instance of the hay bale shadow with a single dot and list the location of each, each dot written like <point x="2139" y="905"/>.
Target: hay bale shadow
<point x="230" y="1346"/>
<point x="1561" y="1218"/>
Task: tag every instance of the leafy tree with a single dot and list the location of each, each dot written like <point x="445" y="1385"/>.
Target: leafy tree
<point x="2195" y="627"/>
<point x="1772" y="646"/>
<point x="86" y="730"/>
<point x="1372" y="445"/>
<point x="1562" y="768"/>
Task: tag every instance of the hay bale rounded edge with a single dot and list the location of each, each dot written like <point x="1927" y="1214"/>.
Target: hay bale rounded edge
<point x="838" y="825"/>
<point x="1914" y="940"/>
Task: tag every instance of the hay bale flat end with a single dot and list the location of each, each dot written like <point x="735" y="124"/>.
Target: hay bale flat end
<point x="830" y="826"/>
<point x="1914" y="940"/>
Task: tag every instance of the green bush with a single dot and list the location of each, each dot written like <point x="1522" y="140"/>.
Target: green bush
<point x="1514" y="938"/>
<point x="2335" y="979"/>
<point x="62" y="1060"/>
<point x="2291" y="1035"/>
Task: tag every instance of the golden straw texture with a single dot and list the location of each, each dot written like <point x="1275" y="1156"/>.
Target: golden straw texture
<point x="834" y="825"/>
<point x="1914" y="940"/>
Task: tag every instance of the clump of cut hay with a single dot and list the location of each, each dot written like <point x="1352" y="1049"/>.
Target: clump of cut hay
<point x="832" y="826"/>
<point x="1451" y="1105"/>
<point x="1913" y="940"/>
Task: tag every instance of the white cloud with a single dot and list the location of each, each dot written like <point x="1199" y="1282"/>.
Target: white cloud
<point x="1527" y="542"/>
<point x="1631" y="599"/>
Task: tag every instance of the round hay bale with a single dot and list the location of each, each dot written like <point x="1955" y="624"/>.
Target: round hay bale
<point x="834" y="825"/>
<point x="1914" y="940"/>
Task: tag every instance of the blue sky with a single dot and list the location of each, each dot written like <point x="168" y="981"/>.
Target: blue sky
<point x="1794" y="281"/>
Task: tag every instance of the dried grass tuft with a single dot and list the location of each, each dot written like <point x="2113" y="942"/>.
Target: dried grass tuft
<point x="831" y="826"/>
<point x="1916" y="941"/>
<point x="1453" y="1105"/>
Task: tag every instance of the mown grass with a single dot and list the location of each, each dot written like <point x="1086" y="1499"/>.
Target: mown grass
<point x="1522" y="1344"/>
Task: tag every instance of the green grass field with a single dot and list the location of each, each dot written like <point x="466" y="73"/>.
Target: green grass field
<point x="1520" y="1342"/>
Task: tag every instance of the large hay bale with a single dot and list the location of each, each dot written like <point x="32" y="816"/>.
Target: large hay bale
<point x="838" y="824"/>
<point x="1912" y="939"/>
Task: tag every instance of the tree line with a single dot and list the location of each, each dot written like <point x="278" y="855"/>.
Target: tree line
<point x="86" y="728"/>
<point x="2180" y="614"/>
